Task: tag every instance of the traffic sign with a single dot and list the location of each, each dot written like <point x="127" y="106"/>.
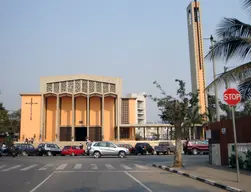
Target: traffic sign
<point x="232" y="96"/>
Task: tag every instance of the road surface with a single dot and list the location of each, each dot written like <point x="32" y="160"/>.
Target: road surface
<point x="86" y="174"/>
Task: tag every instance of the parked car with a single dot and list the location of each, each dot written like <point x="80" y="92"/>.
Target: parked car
<point x="165" y="148"/>
<point x="143" y="149"/>
<point x="25" y="149"/>
<point x="128" y="146"/>
<point x="48" y="149"/>
<point x="72" y="150"/>
<point x="196" y="147"/>
<point x="103" y="148"/>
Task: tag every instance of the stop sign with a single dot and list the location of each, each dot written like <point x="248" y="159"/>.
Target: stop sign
<point x="232" y="96"/>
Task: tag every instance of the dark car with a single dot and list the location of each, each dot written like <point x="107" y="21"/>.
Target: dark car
<point x="165" y="148"/>
<point x="25" y="149"/>
<point x="143" y="149"/>
<point x="196" y="147"/>
<point x="128" y="146"/>
<point x="48" y="149"/>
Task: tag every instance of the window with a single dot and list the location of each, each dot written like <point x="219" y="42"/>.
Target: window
<point x="67" y="147"/>
<point x="96" y="144"/>
<point x="110" y="145"/>
<point x="41" y="145"/>
<point x="189" y="17"/>
<point x="30" y="147"/>
<point x="102" y="144"/>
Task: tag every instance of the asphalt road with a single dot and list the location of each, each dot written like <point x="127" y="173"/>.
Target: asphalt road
<point x="86" y="174"/>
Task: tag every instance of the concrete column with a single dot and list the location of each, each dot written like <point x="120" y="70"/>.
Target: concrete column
<point x="144" y="133"/>
<point x="40" y="137"/>
<point x="194" y="132"/>
<point x="73" y="118"/>
<point x="102" y="117"/>
<point x="88" y="111"/>
<point x="171" y="133"/>
<point x="57" y="119"/>
<point x="158" y="133"/>
<point x="190" y="133"/>
<point x="117" y="118"/>
<point x="88" y="115"/>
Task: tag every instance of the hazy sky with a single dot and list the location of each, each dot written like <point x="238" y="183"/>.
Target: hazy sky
<point x="139" y="41"/>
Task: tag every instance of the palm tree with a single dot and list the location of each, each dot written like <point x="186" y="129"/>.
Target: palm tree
<point x="240" y="74"/>
<point x="234" y="41"/>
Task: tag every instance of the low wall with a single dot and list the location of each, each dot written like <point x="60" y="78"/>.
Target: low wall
<point x="241" y="148"/>
<point x="61" y="144"/>
<point x="216" y="154"/>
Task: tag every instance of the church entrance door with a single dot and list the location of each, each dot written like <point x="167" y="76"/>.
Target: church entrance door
<point x="80" y="133"/>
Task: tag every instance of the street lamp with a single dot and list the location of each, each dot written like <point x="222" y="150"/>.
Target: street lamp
<point x="215" y="76"/>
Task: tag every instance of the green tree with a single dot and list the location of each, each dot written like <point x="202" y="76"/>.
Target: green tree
<point x="234" y="41"/>
<point x="175" y="110"/>
<point x="14" y="119"/>
<point x="193" y="114"/>
<point x="4" y="119"/>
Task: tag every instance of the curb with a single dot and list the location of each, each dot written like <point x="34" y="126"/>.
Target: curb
<point x="201" y="179"/>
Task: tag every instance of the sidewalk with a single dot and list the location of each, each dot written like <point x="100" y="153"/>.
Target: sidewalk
<point x="219" y="174"/>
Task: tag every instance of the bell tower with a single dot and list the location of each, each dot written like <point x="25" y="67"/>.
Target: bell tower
<point x="196" y="53"/>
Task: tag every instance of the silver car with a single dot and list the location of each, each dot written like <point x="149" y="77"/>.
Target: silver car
<point x="103" y="148"/>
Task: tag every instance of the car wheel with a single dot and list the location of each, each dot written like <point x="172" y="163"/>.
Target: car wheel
<point x="96" y="154"/>
<point x="195" y="151"/>
<point x="157" y="153"/>
<point x="49" y="153"/>
<point x="24" y="153"/>
<point x="122" y="154"/>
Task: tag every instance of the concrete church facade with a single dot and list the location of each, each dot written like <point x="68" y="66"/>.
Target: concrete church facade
<point x="71" y="108"/>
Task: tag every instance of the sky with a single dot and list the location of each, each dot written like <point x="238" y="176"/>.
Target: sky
<point x="140" y="41"/>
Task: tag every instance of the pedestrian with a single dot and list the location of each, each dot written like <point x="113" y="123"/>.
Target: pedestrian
<point x="81" y="146"/>
<point x="87" y="141"/>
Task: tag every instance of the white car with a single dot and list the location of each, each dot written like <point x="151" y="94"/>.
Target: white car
<point x="106" y="148"/>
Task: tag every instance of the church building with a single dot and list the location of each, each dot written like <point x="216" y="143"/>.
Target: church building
<point x="72" y="108"/>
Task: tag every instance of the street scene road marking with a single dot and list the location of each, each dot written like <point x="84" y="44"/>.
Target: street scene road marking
<point x="125" y="166"/>
<point x="45" y="167"/>
<point x="94" y="166"/>
<point x="29" y="167"/>
<point x="39" y="185"/>
<point x="109" y="166"/>
<point x="15" y="167"/>
<point x="2" y="166"/>
<point x="146" y="188"/>
<point x="78" y="166"/>
<point x="61" y="167"/>
<point x="5" y="168"/>
<point x="140" y="166"/>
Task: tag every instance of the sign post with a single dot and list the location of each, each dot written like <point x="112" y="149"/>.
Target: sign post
<point x="232" y="97"/>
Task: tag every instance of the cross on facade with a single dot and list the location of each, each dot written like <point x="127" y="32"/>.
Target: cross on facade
<point x="31" y="103"/>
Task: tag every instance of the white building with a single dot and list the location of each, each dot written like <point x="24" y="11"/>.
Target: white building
<point x="140" y="107"/>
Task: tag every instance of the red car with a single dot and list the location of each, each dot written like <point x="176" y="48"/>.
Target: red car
<point x="128" y="146"/>
<point x="72" y="150"/>
<point x="196" y="147"/>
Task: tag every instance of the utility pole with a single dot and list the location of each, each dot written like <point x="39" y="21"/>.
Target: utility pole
<point x="227" y="86"/>
<point x="215" y="86"/>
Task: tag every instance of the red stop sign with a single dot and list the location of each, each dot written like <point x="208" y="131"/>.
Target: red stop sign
<point x="232" y="96"/>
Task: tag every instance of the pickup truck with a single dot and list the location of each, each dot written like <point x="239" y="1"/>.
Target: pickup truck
<point x="165" y="148"/>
